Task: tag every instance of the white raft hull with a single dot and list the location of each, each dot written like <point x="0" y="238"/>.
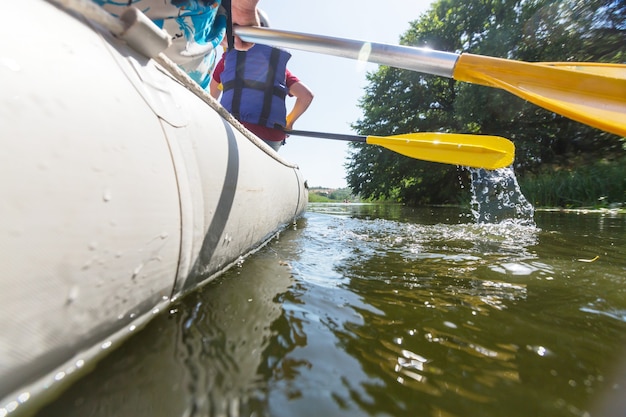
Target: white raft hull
<point x="120" y="191"/>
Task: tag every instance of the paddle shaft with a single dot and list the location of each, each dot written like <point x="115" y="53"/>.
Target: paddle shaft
<point x="398" y="56"/>
<point x="326" y="135"/>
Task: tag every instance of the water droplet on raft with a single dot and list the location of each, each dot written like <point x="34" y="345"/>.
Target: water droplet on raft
<point x="72" y="294"/>
<point x="106" y="197"/>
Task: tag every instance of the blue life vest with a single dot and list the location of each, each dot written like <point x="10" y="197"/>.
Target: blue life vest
<point x="255" y="85"/>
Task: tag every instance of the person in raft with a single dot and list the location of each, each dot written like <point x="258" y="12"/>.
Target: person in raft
<point x="254" y="85"/>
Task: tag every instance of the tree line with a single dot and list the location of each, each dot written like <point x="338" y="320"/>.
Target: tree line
<point x="401" y="101"/>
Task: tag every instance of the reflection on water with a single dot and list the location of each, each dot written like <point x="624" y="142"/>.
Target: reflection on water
<point x="386" y="310"/>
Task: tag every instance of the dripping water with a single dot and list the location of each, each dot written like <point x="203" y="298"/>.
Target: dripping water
<point x="496" y="196"/>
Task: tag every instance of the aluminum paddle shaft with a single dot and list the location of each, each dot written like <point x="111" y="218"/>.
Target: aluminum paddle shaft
<point x="405" y="57"/>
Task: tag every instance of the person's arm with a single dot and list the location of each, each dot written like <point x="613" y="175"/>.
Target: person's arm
<point x="216" y="78"/>
<point x="214" y="89"/>
<point x="303" y="96"/>
<point x="244" y="14"/>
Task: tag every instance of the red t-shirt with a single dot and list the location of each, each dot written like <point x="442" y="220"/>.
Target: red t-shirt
<point x="261" y="131"/>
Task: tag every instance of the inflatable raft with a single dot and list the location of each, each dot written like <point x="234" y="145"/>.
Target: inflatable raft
<point x="123" y="187"/>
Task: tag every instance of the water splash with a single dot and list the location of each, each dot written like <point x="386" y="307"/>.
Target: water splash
<point x="496" y="196"/>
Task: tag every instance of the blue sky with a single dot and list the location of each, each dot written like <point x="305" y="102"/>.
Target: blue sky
<point x="338" y="83"/>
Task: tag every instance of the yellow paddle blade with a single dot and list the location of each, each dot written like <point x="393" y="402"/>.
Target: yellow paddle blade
<point x="476" y="151"/>
<point x="606" y="70"/>
<point x="594" y="94"/>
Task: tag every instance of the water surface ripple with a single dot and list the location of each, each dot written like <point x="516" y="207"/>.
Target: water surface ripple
<point x="372" y="310"/>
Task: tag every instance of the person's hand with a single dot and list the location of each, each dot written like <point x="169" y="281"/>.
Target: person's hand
<point x="244" y="14"/>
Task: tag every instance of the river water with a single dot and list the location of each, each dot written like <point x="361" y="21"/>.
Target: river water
<point x="383" y="310"/>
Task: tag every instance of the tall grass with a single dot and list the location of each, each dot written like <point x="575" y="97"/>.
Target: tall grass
<point x="602" y="184"/>
<point x="316" y="198"/>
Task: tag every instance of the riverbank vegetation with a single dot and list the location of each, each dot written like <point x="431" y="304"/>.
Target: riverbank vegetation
<point x="558" y="162"/>
<point x="331" y="195"/>
<point x="601" y="184"/>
